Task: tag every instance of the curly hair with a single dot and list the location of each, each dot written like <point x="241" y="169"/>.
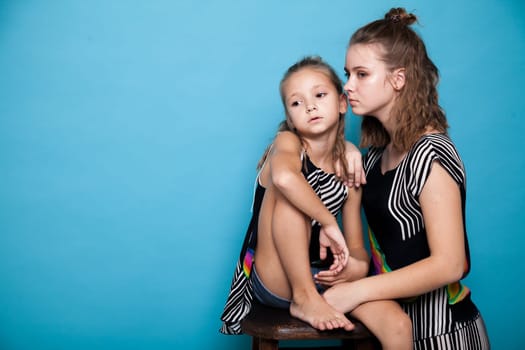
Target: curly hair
<point x="416" y="108"/>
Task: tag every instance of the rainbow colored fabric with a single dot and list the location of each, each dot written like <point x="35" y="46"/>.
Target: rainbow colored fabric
<point x="455" y="291"/>
<point x="248" y="262"/>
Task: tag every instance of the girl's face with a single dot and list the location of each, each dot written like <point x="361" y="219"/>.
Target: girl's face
<point x="312" y="102"/>
<point x="369" y="87"/>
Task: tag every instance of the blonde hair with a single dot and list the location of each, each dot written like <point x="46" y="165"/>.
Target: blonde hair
<point x="317" y="63"/>
<point x="416" y="107"/>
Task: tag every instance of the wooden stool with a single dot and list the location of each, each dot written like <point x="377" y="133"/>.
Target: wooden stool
<point x="268" y="325"/>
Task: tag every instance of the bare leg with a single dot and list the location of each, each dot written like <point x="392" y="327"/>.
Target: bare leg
<point x="388" y="322"/>
<point x="283" y="264"/>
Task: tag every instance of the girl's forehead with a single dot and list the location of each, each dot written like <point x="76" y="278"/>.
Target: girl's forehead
<point x="308" y="76"/>
<point x="361" y="54"/>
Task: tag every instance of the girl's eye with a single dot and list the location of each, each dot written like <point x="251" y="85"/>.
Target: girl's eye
<point x="347" y="74"/>
<point x="361" y="74"/>
<point x="295" y="103"/>
<point x="321" y="94"/>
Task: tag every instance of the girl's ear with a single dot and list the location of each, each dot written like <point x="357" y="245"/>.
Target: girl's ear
<point x="343" y="104"/>
<point x="398" y="78"/>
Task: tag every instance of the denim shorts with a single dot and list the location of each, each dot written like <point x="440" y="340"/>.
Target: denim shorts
<point x="266" y="297"/>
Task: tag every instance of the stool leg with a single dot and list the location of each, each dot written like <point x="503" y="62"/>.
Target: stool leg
<point x="264" y="344"/>
<point x="361" y="344"/>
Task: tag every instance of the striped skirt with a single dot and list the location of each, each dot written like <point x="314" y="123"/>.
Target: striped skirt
<point x="438" y="325"/>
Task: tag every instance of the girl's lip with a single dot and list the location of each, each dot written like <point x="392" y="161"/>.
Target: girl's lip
<point x="313" y="119"/>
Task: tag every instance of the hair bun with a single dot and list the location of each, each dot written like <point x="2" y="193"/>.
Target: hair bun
<point x="400" y="15"/>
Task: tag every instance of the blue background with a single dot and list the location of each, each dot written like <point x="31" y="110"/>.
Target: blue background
<point x="129" y="135"/>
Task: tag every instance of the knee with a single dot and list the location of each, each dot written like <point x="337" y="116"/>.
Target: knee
<point x="396" y="332"/>
<point x="402" y="326"/>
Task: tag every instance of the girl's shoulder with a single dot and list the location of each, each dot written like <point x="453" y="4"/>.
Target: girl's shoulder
<point x="287" y="141"/>
<point x="435" y="147"/>
<point x="287" y="136"/>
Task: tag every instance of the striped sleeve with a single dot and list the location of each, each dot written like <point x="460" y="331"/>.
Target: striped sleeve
<point x="434" y="147"/>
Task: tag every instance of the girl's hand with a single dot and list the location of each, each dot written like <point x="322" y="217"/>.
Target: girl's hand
<point x="356" y="173"/>
<point x="331" y="277"/>
<point x="347" y="274"/>
<point x="331" y="237"/>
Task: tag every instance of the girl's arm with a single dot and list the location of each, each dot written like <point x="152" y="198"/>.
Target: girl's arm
<point x="357" y="266"/>
<point x="285" y="174"/>
<point x="441" y="205"/>
<point x="355" y="170"/>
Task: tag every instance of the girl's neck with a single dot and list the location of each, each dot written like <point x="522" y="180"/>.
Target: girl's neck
<point x="320" y="153"/>
<point x="390" y="126"/>
<point x="392" y="155"/>
<point x="391" y="158"/>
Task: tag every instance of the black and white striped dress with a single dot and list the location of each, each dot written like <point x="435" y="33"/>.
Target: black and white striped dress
<point x="445" y="318"/>
<point x="332" y="192"/>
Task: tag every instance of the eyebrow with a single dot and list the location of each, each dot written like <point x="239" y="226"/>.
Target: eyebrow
<point x="313" y="87"/>
<point x="356" y="67"/>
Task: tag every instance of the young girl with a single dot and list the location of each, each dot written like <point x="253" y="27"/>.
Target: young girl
<point x="296" y="202"/>
<point x="414" y="199"/>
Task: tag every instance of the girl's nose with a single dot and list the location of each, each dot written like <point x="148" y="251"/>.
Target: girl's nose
<point x="348" y="85"/>
<point x="310" y="108"/>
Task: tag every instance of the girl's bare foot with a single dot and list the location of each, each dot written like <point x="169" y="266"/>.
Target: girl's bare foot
<point x="316" y="311"/>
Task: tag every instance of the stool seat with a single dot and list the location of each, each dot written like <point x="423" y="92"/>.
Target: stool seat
<point x="268" y="326"/>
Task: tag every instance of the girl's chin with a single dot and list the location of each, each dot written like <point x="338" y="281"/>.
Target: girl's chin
<point x="358" y="111"/>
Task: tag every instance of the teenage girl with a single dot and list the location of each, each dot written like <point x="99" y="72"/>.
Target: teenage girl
<point x="414" y="199"/>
